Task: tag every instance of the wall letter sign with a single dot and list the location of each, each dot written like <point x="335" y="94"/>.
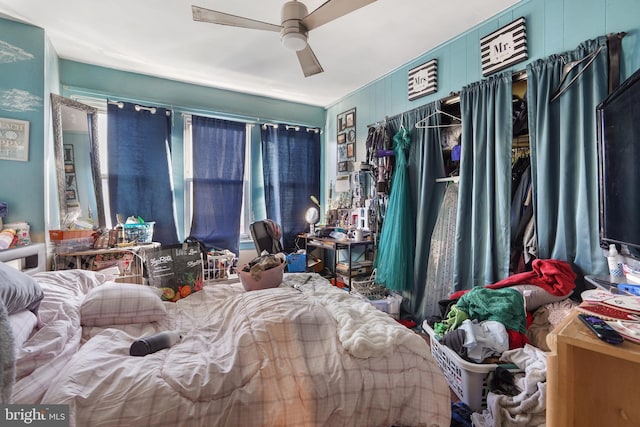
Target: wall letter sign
<point x="423" y="79"/>
<point x="504" y="47"/>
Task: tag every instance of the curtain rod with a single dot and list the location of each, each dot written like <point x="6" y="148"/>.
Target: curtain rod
<point x="138" y="108"/>
<point x="289" y="127"/>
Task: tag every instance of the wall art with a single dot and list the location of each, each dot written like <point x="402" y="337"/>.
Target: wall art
<point x="14" y="140"/>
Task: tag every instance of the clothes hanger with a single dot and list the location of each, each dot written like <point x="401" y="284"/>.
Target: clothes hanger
<point x="421" y="125"/>
<point x="566" y="69"/>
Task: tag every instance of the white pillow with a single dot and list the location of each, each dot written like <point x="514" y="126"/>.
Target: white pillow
<point x="22" y="325"/>
<point x="121" y="303"/>
<point x="535" y="296"/>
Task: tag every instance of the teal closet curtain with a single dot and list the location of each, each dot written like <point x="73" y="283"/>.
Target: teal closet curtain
<point x="484" y="199"/>
<point x="564" y="157"/>
<point x="425" y="165"/>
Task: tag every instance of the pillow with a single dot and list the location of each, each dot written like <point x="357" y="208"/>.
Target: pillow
<point x="19" y="291"/>
<point x="120" y="303"/>
<point x="22" y="325"/>
<point x="535" y="296"/>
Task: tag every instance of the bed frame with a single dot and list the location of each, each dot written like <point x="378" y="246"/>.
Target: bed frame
<point x="30" y="259"/>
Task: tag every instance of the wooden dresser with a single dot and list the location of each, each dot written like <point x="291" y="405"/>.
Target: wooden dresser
<point x="590" y="382"/>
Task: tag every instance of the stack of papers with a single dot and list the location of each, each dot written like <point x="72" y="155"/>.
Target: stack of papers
<point x="622" y="312"/>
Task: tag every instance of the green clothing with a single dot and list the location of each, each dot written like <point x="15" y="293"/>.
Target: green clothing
<point x="455" y="317"/>
<point x="504" y="305"/>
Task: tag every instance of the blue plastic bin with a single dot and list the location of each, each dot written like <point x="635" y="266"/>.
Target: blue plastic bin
<point x="297" y="263"/>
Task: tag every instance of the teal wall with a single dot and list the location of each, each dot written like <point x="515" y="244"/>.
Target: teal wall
<point x="553" y="26"/>
<point x="22" y="97"/>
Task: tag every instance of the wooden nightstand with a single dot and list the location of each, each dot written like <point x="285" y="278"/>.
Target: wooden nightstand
<point x="590" y="382"/>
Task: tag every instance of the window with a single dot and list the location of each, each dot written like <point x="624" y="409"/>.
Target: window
<point x="245" y="220"/>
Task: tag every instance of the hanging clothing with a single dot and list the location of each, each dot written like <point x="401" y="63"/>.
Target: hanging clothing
<point x="439" y="280"/>
<point x="394" y="260"/>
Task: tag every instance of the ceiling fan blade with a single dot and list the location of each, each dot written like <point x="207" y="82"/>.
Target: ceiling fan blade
<point x="206" y="15"/>
<point x="330" y="10"/>
<point x="309" y="62"/>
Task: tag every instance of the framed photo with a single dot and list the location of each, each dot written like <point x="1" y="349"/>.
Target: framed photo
<point x="350" y="119"/>
<point x="351" y="136"/>
<point x="351" y="150"/>
<point x="70" y="179"/>
<point x="342" y="138"/>
<point x="68" y="153"/>
<point x="71" y="194"/>
<point x="343" y="167"/>
<point x="14" y="140"/>
<point x="342" y="152"/>
<point x="69" y="168"/>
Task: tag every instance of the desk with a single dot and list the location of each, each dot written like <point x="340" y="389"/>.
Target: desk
<point x="590" y="382"/>
<point x="97" y="259"/>
<point x="346" y="267"/>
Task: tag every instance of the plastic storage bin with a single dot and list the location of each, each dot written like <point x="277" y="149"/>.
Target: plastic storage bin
<point x="297" y="263"/>
<point x="140" y="233"/>
<point x="218" y="265"/>
<point x="468" y="380"/>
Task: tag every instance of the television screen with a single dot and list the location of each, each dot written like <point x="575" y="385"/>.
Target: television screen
<point x="618" y="119"/>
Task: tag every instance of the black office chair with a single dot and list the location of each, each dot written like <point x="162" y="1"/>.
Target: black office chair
<point x="266" y="236"/>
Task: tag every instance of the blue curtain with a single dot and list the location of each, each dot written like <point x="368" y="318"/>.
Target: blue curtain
<point x="218" y="179"/>
<point x="484" y="199"/>
<point x="291" y="169"/>
<point x="564" y="157"/>
<point x="139" y="161"/>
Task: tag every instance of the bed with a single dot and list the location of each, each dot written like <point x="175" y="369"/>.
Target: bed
<point x="303" y="354"/>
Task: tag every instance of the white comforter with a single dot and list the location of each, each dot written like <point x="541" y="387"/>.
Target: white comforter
<point x="305" y="356"/>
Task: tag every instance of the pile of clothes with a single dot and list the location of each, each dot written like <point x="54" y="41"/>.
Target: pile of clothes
<point x="489" y="325"/>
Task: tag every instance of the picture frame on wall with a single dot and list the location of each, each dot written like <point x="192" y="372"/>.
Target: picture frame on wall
<point x="351" y="151"/>
<point x="68" y="153"/>
<point x="350" y="119"/>
<point x="14" y="140"/>
<point x="346" y="139"/>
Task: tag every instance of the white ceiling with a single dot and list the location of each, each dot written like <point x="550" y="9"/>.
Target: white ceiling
<point x="160" y="38"/>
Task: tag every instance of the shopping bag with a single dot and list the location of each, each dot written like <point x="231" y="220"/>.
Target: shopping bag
<point x="176" y="269"/>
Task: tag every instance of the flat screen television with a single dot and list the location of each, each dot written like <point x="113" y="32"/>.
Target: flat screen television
<point x="618" y="121"/>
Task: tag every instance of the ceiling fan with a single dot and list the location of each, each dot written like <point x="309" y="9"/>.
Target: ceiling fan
<point x="294" y="28"/>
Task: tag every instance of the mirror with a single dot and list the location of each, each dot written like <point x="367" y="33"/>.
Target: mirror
<point x="311" y="217"/>
<point x="75" y="134"/>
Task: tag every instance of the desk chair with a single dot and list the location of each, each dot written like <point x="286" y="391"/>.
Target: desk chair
<point x="266" y="236"/>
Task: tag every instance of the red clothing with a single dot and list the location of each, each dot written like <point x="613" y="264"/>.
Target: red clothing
<point x="554" y="276"/>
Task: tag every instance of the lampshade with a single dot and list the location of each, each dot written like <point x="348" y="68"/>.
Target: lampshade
<point x="294" y="41"/>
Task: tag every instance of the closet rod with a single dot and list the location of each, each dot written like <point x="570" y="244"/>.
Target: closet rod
<point x="448" y="179"/>
<point x="452" y="98"/>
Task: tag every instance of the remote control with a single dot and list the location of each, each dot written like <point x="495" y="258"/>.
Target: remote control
<point x="602" y="330"/>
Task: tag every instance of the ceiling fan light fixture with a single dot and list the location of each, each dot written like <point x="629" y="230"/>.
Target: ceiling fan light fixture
<point x="294" y="41"/>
